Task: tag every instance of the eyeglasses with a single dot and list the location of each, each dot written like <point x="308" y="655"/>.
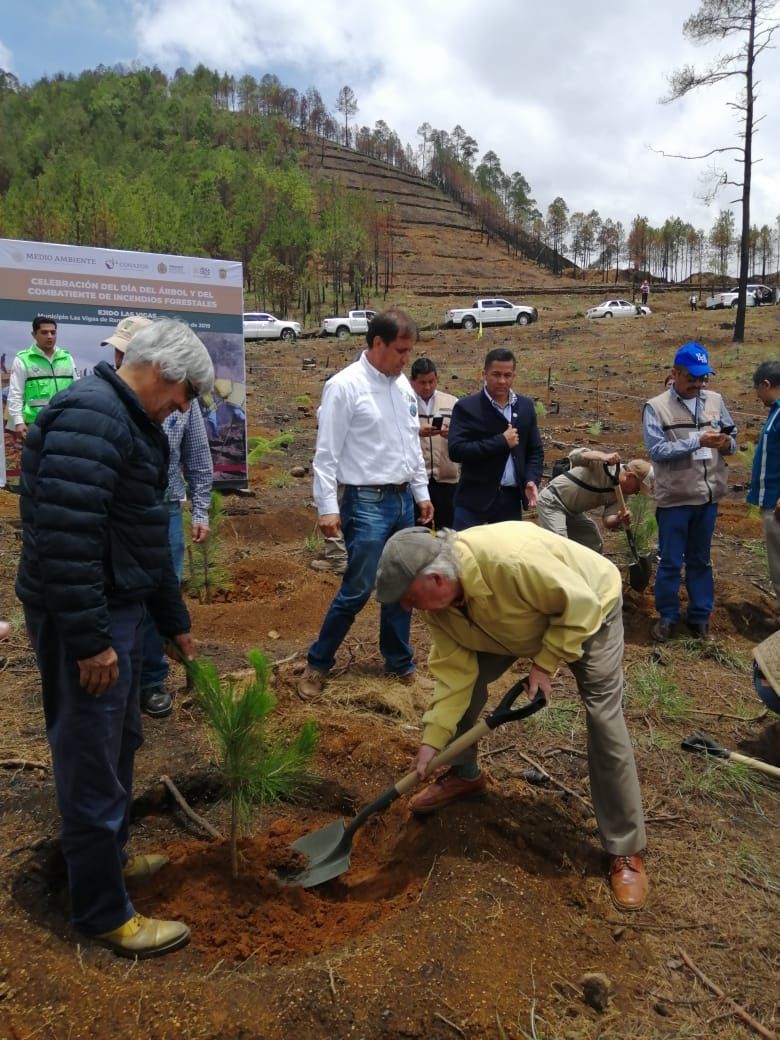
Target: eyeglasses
<point x="192" y="390"/>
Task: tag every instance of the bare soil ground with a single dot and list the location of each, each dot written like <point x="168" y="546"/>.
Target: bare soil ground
<point x="482" y="921"/>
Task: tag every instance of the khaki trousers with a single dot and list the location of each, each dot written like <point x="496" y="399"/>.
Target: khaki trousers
<point x="614" y="784"/>
<point x="552" y="515"/>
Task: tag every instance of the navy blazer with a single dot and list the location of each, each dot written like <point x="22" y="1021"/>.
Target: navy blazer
<point x="476" y="440"/>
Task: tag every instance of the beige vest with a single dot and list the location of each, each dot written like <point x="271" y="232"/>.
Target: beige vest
<point x="686" y="481"/>
<point x="438" y="463"/>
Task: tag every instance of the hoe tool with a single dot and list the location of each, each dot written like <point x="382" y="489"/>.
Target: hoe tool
<point x="706" y="746"/>
<point x="641" y="570"/>
<point x="328" y="849"/>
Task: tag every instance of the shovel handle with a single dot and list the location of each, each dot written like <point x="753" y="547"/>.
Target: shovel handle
<point x="705" y="746"/>
<point x="502" y="713"/>
<point x="621" y="501"/>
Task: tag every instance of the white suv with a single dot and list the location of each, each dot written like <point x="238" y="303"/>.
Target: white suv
<point x="261" y="325"/>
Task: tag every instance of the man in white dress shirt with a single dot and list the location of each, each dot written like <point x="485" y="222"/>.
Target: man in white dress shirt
<point x="368" y="440"/>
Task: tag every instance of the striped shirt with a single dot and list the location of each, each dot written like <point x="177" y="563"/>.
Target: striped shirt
<point x="190" y="461"/>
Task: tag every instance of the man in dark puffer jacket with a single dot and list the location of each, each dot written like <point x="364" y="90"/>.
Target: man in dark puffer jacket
<point x="94" y="557"/>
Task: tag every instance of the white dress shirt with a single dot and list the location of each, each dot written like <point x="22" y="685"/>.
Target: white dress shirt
<point x="368" y="434"/>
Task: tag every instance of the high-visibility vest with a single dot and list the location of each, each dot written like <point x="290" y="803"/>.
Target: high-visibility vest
<point x="44" y="378"/>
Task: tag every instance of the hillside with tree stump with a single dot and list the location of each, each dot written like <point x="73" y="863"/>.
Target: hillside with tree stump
<point x="490" y="920"/>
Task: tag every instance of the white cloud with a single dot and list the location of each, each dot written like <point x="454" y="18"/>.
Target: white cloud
<point x="6" y="58"/>
<point x="566" y="96"/>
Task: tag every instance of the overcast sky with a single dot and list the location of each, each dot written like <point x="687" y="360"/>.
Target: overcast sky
<point x="565" y="92"/>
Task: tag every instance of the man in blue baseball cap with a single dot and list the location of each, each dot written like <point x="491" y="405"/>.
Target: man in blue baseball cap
<point x="687" y="432"/>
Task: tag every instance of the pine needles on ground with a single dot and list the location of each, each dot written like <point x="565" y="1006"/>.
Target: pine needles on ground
<point x="650" y="691"/>
<point x="258" y="767"/>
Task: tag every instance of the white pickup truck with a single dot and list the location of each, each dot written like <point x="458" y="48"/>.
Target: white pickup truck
<point x="490" y="312"/>
<point x="355" y="322"/>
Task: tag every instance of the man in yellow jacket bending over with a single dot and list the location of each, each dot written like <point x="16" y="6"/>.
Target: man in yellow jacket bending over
<point x="496" y="593"/>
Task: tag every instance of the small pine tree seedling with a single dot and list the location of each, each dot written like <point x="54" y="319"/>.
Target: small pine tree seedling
<point x="206" y="570"/>
<point x="257" y="767"/>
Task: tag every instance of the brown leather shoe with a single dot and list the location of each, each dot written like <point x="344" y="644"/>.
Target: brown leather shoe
<point x="412" y="679"/>
<point x="311" y="684"/>
<point x="628" y="882"/>
<point x="447" y="788"/>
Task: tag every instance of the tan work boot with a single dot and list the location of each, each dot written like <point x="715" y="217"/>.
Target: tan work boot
<point x="142" y="867"/>
<point x="311" y="684"/>
<point x="145" y="937"/>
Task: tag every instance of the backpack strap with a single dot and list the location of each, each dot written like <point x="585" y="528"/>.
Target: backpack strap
<point x="614" y="478"/>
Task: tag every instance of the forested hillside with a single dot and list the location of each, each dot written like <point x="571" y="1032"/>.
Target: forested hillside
<point x="322" y="213"/>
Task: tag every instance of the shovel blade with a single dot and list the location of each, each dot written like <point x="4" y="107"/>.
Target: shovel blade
<point x="328" y="853"/>
<point x="639" y="573"/>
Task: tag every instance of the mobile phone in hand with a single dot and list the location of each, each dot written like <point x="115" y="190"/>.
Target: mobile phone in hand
<point x="437" y="421"/>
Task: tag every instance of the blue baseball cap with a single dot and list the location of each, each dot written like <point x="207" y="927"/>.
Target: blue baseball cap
<point x="695" y="358"/>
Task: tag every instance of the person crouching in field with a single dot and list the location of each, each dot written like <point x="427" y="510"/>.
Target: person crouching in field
<point x="590" y="484"/>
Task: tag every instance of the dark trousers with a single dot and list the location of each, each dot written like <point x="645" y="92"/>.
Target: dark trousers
<point x="507" y="504"/>
<point x="442" y="498"/>
<point x="93" y="741"/>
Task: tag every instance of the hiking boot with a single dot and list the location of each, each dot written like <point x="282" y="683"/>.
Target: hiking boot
<point x="445" y="790"/>
<point x="156" y="702"/>
<point x="628" y="882"/>
<point x="663" y="630"/>
<point x="330" y="566"/>
<point x="145" y="937"/>
<point x="140" y="868"/>
<point x="699" y="630"/>
<point x="311" y="684"/>
<point x="411" y="679"/>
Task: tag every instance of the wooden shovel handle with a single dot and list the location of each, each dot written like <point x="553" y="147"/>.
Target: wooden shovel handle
<point x="621" y="501"/>
<point x="755" y="763"/>
<point x="471" y="736"/>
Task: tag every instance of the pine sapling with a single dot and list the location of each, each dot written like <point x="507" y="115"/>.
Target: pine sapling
<point x="258" y="767"/>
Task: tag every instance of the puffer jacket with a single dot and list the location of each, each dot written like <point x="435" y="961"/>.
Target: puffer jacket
<point x="94" y="526"/>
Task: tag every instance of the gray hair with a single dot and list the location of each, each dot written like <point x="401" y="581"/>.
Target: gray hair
<point x="175" y="349"/>
<point x="446" y="563"/>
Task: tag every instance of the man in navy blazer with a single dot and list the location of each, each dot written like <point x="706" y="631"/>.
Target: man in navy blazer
<point x="495" y="438"/>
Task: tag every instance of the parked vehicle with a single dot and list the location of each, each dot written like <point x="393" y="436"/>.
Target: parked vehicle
<point x="618" y="309"/>
<point x="354" y="323"/>
<point x="731" y="298"/>
<point x="490" y="312"/>
<point x="260" y="325"/>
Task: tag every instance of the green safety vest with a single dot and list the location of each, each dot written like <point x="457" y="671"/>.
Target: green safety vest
<point x="44" y="378"/>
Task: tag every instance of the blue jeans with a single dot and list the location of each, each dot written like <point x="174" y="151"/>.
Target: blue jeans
<point x="154" y="670"/>
<point x="507" y="504"/>
<point x="684" y="537"/>
<point x="368" y="518"/>
<point x="93" y="742"/>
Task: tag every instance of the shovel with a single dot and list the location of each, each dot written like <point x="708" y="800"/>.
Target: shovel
<point x="328" y="849"/>
<point x="706" y="746"/>
<point x="641" y="570"/>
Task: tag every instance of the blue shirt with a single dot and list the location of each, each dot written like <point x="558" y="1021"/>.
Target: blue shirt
<point x="508" y="477"/>
<point x="765" y="479"/>
<point x="190" y="461"/>
<point x="662" y="450"/>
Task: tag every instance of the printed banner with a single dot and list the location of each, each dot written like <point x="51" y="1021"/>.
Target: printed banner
<point x="87" y="291"/>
